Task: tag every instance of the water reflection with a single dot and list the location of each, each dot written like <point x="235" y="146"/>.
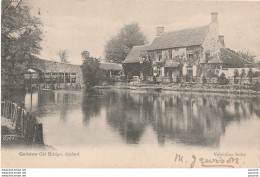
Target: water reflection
<point x="179" y="117"/>
<point x="185" y="118"/>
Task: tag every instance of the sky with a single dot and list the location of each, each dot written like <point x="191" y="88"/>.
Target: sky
<point x="78" y="25"/>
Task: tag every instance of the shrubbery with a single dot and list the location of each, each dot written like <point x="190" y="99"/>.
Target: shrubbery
<point x="92" y="74"/>
<point x="222" y="80"/>
<point x="256" y="86"/>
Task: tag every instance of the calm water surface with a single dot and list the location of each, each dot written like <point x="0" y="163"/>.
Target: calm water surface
<point x="135" y="118"/>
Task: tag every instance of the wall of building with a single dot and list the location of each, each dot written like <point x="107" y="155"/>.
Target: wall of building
<point x="46" y="66"/>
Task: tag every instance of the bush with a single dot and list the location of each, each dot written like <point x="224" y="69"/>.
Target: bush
<point x="204" y="80"/>
<point x="256" y="86"/>
<point x="92" y="74"/>
<point x="222" y="80"/>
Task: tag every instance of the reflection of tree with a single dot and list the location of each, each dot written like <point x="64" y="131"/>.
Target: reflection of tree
<point x="91" y="105"/>
<point x="186" y="121"/>
<point x="186" y="118"/>
<point x="126" y="116"/>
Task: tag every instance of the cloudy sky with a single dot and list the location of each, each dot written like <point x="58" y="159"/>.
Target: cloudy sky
<point x="77" y="25"/>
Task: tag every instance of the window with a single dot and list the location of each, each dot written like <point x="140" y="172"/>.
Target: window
<point x="207" y="56"/>
<point x="189" y="56"/>
<point x="73" y="77"/>
<point x="158" y="55"/>
<point x="189" y="70"/>
<point x="170" y="54"/>
<point x="157" y="71"/>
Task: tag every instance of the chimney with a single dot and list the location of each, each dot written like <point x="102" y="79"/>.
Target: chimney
<point x="221" y="40"/>
<point x="214" y="17"/>
<point x="160" y="31"/>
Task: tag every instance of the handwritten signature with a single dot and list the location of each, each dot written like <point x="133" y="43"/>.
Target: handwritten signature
<point x="230" y="162"/>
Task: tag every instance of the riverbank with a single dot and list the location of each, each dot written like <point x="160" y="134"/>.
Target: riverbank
<point x="226" y="89"/>
<point x="19" y="128"/>
<point x="9" y="137"/>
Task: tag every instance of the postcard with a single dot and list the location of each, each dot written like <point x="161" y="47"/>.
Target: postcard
<point x="130" y="84"/>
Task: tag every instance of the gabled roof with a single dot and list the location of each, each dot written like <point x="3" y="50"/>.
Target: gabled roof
<point x="135" y="53"/>
<point x="231" y="59"/>
<point x="111" y="66"/>
<point x="215" y="60"/>
<point x="227" y="57"/>
<point x="181" y="38"/>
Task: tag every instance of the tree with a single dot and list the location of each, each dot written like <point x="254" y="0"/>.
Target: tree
<point x="243" y="74"/>
<point x="84" y="55"/>
<point x="209" y="71"/>
<point x="64" y="55"/>
<point x="117" y="48"/>
<point x="236" y="74"/>
<point x="21" y="36"/>
<point x="222" y="80"/>
<point x="92" y="74"/>
<point x="250" y="75"/>
<point x="247" y="55"/>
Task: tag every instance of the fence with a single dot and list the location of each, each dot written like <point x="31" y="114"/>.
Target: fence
<point x="25" y="124"/>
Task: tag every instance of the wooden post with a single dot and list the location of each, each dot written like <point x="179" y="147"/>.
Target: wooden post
<point x="70" y="79"/>
<point x="22" y="121"/>
<point x="64" y="80"/>
<point x="18" y="121"/>
<point x="38" y="135"/>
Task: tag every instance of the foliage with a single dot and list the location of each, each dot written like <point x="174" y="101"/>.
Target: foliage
<point x="84" y="55"/>
<point x="222" y="80"/>
<point x="147" y="68"/>
<point x="250" y="75"/>
<point x="131" y="69"/>
<point x="21" y="36"/>
<point x="117" y="48"/>
<point x="64" y="55"/>
<point x="92" y="74"/>
<point x="256" y="86"/>
<point x="204" y="80"/>
<point x="247" y="55"/>
<point x="236" y="74"/>
<point x="243" y="73"/>
<point x="209" y="71"/>
<point x="159" y="64"/>
<point x="134" y="69"/>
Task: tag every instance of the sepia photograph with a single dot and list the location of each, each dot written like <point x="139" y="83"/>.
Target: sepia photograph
<point x="130" y="84"/>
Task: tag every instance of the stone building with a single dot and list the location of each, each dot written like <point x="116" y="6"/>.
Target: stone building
<point x="187" y="53"/>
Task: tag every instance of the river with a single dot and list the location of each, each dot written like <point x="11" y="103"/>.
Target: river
<point x="134" y="118"/>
